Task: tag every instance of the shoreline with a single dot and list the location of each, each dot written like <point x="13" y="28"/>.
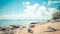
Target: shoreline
<point x="50" y="27"/>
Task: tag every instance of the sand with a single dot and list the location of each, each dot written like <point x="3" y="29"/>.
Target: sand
<point x="41" y="29"/>
<point x="37" y="29"/>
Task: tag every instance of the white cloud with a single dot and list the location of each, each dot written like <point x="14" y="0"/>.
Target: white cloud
<point x="42" y="8"/>
<point x="31" y="12"/>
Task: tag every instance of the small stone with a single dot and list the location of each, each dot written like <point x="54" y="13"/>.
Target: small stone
<point x="30" y="30"/>
<point x="51" y="29"/>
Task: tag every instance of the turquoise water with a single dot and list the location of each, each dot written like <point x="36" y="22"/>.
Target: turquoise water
<point x="16" y="22"/>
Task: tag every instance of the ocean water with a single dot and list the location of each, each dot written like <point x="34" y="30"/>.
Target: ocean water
<point x="17" y="22"/>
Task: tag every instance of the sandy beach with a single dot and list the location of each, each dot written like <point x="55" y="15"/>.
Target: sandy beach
<point x="38" y="29"/>
<point x="29" y="16"/>
<point x="42" y="29"/>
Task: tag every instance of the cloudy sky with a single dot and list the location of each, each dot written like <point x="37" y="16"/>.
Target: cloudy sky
<point x="27" y="9"/>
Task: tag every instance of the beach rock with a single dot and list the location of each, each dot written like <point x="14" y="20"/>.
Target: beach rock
<point x="48" y="20"/>
<point x="30" y="30"/>
<point x="51" y="29"/>
<point x="57" y="20"/>
<point x="9" y="32"/>
<point x="15" y="26"/>
<point x="31" y="26"/>
<point x="6" y="30"/>
<point x="1" y="32"/>
<point x="23" y="26"/>
<point x="34" y="22"/>
<point x="54" y="21"/>
<point x="0" y="28"/>
<point x="3" y="29"/>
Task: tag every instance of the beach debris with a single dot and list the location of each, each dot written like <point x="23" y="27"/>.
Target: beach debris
<point x="30" y="30"/>
<point x="51" y="29"/>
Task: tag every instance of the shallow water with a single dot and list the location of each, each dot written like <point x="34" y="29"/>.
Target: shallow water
<point x="16" y="22"/>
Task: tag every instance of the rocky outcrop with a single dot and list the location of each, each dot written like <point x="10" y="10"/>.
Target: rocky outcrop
<point x="34" y="22"/>
<point x="15" y="26"/>
<point x="6" y="31"/>
<point x="57" y="20"/>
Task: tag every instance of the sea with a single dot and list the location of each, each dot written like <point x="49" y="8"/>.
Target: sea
<point x="18" y="22"/>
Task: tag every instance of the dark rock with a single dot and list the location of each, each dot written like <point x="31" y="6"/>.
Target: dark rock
<point x="48" y="20"/>
<point x="34" y="22"/>
<point x="6" y="30"/>
<point x="12" y="28"/>
<point x="51" y="29"/>
<point x="30" y="30"/>
<point x="32" y="26"/>
<point x="3" y="29"/>
<point x="15" y="26"/>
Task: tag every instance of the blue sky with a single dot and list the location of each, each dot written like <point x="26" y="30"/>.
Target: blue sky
<point x="27" y="9"/>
